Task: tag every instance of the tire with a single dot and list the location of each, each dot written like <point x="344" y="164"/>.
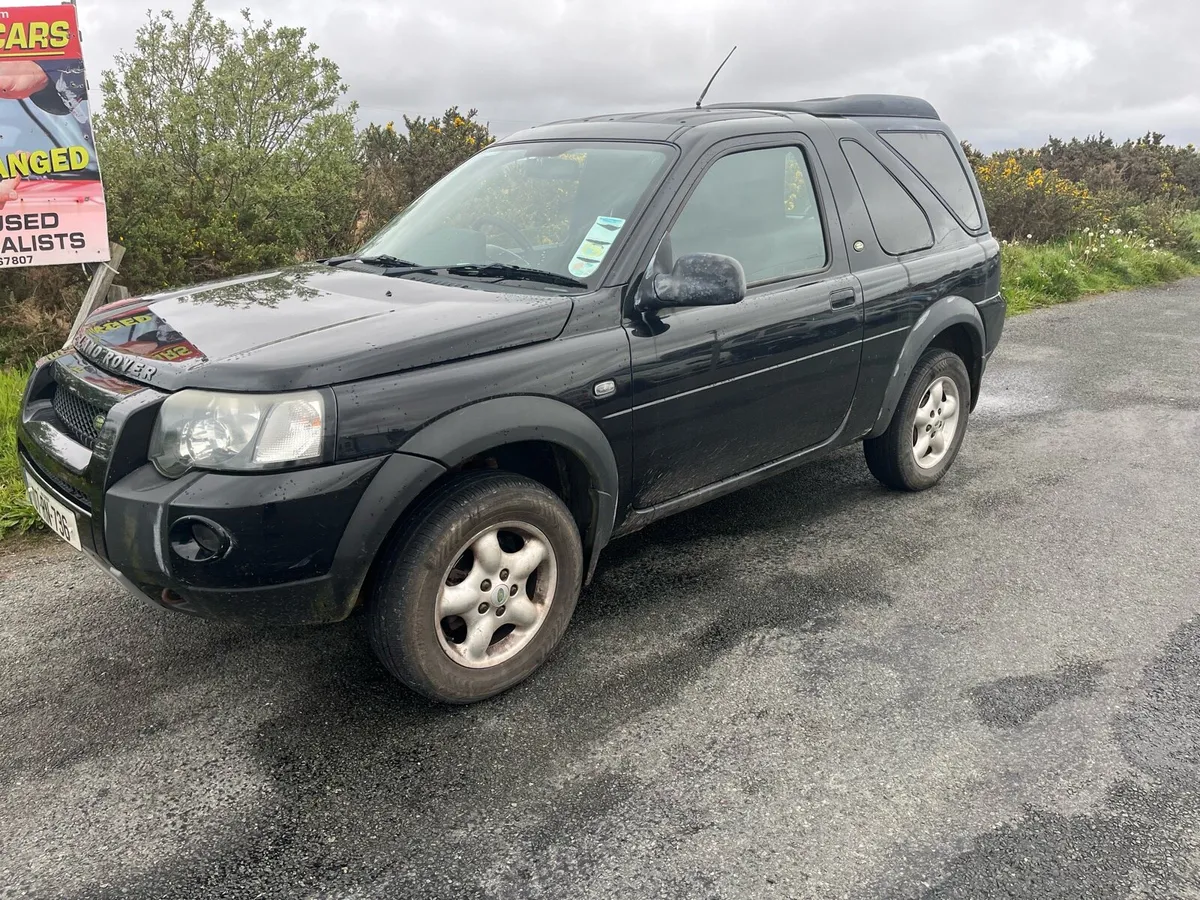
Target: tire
<point x="893" y="456"/>
<point x="439" y="592"/>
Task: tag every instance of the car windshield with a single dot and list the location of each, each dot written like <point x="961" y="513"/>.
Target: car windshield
<point x="553" y="207"/>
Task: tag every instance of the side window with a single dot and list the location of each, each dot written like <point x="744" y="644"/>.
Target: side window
<point x="935" y="160"/>
<point x="759" y="207"/>
<point x="898" y="220"/>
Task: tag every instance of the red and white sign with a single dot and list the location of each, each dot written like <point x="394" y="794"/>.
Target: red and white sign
<point x="51" y="198"/>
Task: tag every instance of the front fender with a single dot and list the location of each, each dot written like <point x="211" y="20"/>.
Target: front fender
<point x="395" y="487"/>
<point x="471" y="430"/>
<point x="943" y="314"/>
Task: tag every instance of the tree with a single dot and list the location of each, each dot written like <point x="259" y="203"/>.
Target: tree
<point x="224" y="149"/>
<point x="400" y="166"/>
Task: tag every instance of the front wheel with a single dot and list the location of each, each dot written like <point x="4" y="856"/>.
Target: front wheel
<point x="478" y="588"/>
<point x="928" y="426"/>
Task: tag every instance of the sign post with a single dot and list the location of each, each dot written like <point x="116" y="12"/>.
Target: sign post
<point x="51" y="199"/>
<point x="97" y="291"/>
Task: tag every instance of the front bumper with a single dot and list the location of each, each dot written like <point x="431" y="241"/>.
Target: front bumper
<point x="300" y="542"/>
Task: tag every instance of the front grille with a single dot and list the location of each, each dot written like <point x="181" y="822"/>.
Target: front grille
<point x="80" y="498"/>
<point x="78" y="416"/>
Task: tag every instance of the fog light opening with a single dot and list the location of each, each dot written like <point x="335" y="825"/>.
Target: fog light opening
<point x="208" y="539"/>
<point x="197" y="539"/>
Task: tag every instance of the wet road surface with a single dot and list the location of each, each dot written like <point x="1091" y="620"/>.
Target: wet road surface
<point x="814" y="688"/>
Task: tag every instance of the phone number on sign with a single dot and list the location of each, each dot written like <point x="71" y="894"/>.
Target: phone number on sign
<point x="16" y="260"/>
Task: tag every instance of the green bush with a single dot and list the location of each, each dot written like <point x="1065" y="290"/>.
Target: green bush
<point x="399" y="166"/>
<point x="1119" y="208"/>
<point x="1144" y="186"/>
<point x="1191" y="222"/>
<point x="1027" y="202"/>
<point x="1146" y="168"/>
<point x="224" y="150"/>
<point x="37" y="307"/>
<point x="1166" y="223"/>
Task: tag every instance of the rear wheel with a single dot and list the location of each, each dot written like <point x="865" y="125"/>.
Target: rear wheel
<point x="478" y="589"/>
<point x="928" y="426"/>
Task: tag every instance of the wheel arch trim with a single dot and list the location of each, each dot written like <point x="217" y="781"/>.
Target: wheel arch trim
<point x="470" y="430"/>
<point x="939" y="317"/>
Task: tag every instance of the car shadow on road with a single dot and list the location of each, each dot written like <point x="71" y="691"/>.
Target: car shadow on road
<point x="707" y="556"/>
<point x="666" y="604"/>
<point x="350" y="757"/>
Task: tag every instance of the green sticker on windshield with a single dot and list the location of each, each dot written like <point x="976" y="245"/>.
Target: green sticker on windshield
<point x="595" y="246"/>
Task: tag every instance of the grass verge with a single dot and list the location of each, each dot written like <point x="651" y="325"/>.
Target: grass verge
<point x="1036" y="275"/>
<point x="16" y="515"/>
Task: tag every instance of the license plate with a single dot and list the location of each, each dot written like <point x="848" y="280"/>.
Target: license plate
<point x="61" y="520"/>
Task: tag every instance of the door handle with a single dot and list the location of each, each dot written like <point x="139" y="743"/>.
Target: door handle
<point x="842" y="299"/>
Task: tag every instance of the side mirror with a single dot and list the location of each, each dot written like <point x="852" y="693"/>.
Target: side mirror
<point x="698" y="279"/>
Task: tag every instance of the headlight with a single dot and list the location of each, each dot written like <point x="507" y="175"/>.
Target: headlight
<point x="236" y="432"/>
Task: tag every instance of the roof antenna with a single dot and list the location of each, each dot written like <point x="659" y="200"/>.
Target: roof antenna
<point x="704" y="93"/>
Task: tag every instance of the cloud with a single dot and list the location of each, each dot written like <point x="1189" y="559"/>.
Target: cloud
<point x="999" y="74"/>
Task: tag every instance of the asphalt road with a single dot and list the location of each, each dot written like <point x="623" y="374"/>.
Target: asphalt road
<point x="812" y="689"/>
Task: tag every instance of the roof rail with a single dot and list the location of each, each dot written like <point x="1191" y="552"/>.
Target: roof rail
<point x="892" y="105"/>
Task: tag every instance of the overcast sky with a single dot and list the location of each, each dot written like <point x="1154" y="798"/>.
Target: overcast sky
<point x="1000" y="74"/>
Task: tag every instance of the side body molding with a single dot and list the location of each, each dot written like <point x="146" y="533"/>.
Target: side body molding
<point x="468" y="431"/>
<point x="943" y="314"/>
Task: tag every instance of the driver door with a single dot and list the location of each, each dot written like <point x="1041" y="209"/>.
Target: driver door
<point x="722" y="390"/>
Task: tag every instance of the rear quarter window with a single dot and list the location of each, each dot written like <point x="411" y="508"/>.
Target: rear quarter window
<point x="931" y="155"/>
<point x="899" y="222"/>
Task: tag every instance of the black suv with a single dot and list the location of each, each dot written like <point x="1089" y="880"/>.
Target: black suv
<point x="588" y="326"/>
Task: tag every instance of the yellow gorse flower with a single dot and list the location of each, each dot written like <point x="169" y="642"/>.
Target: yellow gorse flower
<point x="1023" y="194"/>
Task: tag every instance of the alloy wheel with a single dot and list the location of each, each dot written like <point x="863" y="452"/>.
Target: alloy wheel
<point x="496" y="594"/>
<point x="936" y="422"/>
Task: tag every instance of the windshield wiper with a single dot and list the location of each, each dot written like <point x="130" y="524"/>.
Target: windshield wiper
<point x="519" y="273"/>
<point x="394" y="267"/>
<point x="383" y="259"/>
